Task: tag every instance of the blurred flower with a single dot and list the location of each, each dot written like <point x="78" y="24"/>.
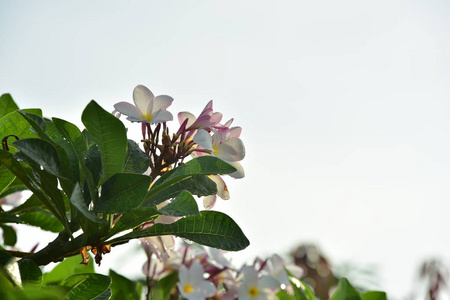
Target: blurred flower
<point x="192" y="285"/>
<point x="148" y="109"/>
<point x="254" y="287"/>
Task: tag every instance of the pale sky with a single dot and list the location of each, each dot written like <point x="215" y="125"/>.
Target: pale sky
<point x="344" y="107"/>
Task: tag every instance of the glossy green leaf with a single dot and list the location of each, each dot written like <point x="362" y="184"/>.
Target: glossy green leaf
<point x="9" y="235"/>
<point x="30" y="273"/>
<point x="69" y="266"/>
<point x="124" y="288"/>
<point x="204" y="165"/>
<point x="110" y="135"/>
<point x="211" y="228"/>
<point x="162" y="288"/>
<point x="37" y="123"/>
<point x="42" y="219"/>
<point x="17" y="169"/>
<point x="89" y="221"/>
<point x="199" y="185"/>
<point x="15" y="186"/>
<point x="345" y="291"/>
<point x="183" y="205"/>
<point x="14" y="124"/>
<point x="7" y="105"/>
<point x="41" y="152"/>
<point x="122" y="192"/>
<point x="85" y="286"/>
<point x="374" y="295"/>
<point x="136" y="161"/>
<point x="133" y="219"/>
<point x="6" y="178"/>
<point x="93" y="163"/>
<point x="6" y="217"/>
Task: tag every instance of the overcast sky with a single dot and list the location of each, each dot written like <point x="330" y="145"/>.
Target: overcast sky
<point x="344" y="107"/>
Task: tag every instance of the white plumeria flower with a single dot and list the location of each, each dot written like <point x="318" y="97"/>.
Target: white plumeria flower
<point x="222" y="192"/>
<point x="254" y="287"/>
<point x="148" y="109"/>
<point x="192" y="285"/>
<point x="230" y="149"/>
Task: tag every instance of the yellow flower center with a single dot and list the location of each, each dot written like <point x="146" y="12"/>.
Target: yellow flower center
<point x="188" y="288"/>
<point x="253" y="291"/>
<point x="147" y="117"/>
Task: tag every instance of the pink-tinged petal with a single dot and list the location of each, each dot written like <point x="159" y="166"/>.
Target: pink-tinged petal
<point x="161" y="116"/>
<point x="235" y="132"/>
<point x="209" y="105"/>
<point x="203" y="139"/>
<point x="240" y="173"/>
<point x="161" y="102"/>
<point x="231" y="150"/>
<point x="186" y="115"/>
<point x="222" y="190"/>
<point x="128" y="110"/>
<point x="216" y="117"/>
<point x="209" y="201"/>
<point x="228" y="123"/>
<point x="143" y="98"/>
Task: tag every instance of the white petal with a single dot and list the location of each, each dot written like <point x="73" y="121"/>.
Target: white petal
<point x="183" y="274"/>
<point x="143" y="98"/>
<point x="209" y="201"/>
<point x="186" y="115"/>
<point x="161" y="102"/>
<point x="268" y="283"/>
<point x="161" y="116"/>
<point x="235" y="132"/>
<point x="222" y="190"/>
<point x="250" y="276"/>
<point x="128" y="109"/>
<point x="196" y="273"/>
<point x="206" y="289"/>
<point x="203" y="139"/>
<point x="231" y="150"/>
<point x="240" y="173"/>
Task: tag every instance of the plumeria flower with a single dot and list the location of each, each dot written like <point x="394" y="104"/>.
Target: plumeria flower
<point x="147" y="108"/>
<point x="205" y="120"/>
<point x="221" y="144"/>
<point x="192" y="285"/>
<point x="254" y="287"/>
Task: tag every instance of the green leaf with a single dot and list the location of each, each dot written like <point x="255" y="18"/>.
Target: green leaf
<point x="93" y="163"/>
<point x="17" y="169"/>
<point x="42" y="219"/>
<point x="162" y="288"/>
<point x="13" y="187"/>
<point x="41" y="152"/>
<point x="30" y="274"/>
<point x="109" y="134"/>
<point x="85" y="286"/>
<point x="70" y="265"/>
<point x="31" y="203"/>
<point x="374" y="295"/>
<point x="6" y="179"/>
<point x="9" y="218"/>
<point x="199" y="185"/>
<point x="211" y="228"/>
<point x="301" y="289"/>
<point x="37" y="123"/>
<point x="14" y="124"/>
<point x="124" y="288"/>
<point x="9" y="235"/>
<point x="204" y="165"/>
<point x="7" y="105"/>
<point x="345" y="291"/>
<point x="136" y="160"/>
<point x="122" y="192"/>
<point x="133" y="219"/>
<point x="89" y="221"/>
<point x="183" y="205"/>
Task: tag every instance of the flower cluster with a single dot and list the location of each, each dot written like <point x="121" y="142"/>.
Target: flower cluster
<point x="196" y="136"/>
<point x="207" y="273"/>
